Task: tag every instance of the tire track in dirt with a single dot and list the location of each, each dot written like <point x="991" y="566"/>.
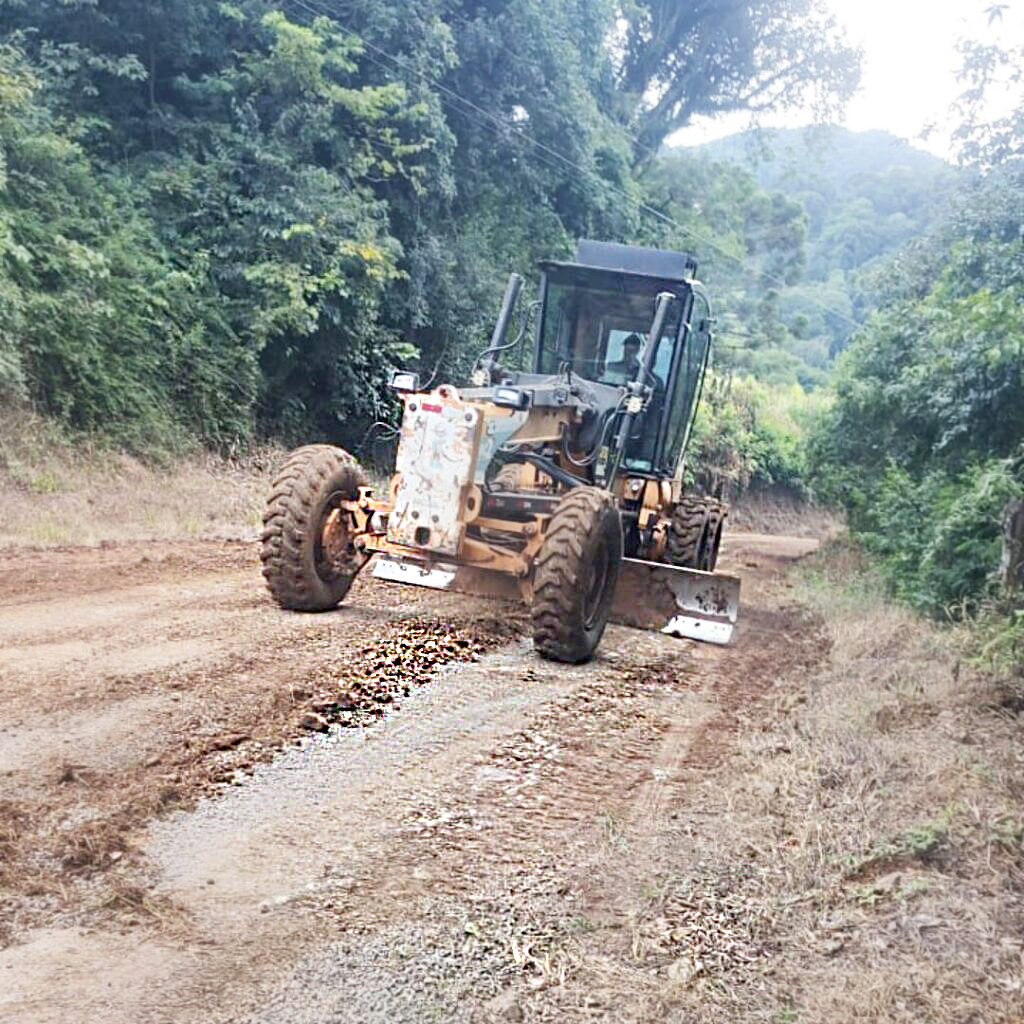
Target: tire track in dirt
<point x="512" y="798"/>
<point x="562" y="823"/>
<point x="133" y="698"/>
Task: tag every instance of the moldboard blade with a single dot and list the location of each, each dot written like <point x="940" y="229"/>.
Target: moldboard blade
<point x="409" y="572"/>
<point x="680" y="602"/>
<point x="461" y="579"/>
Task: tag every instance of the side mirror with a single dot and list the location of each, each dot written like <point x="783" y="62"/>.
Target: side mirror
<point x="403" y="380"/>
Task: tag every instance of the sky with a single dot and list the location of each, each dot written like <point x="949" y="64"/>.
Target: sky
<point x="910" y="64"/>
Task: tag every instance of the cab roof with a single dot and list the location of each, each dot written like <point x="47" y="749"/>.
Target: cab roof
<point x="636" y="260"/>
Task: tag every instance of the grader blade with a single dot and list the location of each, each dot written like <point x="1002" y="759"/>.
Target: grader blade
<point x="417" y="575"/>
<point x="462" y="579"/>
<point x="679" y="602"/>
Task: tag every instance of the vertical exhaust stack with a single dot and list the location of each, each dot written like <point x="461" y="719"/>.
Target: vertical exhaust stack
<point x="638" y="389"/>
<point x="487" y="363"/>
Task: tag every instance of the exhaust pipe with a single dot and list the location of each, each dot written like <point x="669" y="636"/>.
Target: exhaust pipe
<point x="487" y="362"/>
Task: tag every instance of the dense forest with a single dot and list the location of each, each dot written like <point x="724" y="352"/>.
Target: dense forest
<point x="229" y="219"/>
<point x="224" y="221"/>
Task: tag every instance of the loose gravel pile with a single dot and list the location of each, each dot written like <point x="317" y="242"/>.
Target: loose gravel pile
<point x="378" y="675"/>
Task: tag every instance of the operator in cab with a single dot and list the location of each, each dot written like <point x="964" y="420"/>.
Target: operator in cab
<point x="626" y="369"/>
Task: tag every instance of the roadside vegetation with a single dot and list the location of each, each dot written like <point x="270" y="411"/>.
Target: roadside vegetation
<point x="228" y="221"/>
<point x="924" y="443"/>
<point x="880" y="814"/>
<point x="60" y="489"/>
<point x="858" y="856"/>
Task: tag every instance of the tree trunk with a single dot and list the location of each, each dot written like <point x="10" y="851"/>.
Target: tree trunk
<point x="1011" y="570"/>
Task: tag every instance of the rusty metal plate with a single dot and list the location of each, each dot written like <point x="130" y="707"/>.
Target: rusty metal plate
<point x="437" y="455"/>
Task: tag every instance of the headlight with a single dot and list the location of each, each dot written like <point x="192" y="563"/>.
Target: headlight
<point x="512" y="397"/>
<point x="403" y="380"/>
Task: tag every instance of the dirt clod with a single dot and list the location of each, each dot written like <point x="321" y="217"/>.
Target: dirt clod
<point x="313" y="722"/>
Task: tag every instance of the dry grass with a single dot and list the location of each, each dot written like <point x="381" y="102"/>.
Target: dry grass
<point x="54" y="492"/>
<point x="856" y="856"/>
<point x="887" y="803"/>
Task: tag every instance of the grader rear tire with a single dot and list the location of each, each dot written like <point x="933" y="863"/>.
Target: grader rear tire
<point x="577" y="571"/>
<point x="718" y="512"/>
<point x="688" y="533"/>
<point x="308" y="561"/>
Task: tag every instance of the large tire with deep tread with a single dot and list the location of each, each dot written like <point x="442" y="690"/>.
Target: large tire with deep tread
<point x="718" y="512"/>
<point x="576" y="573"/>
<point x="688" y="533"/>
<point x="296" y="567"/>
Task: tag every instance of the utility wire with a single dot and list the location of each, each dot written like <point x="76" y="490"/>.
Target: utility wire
<point x="503" y="127"/>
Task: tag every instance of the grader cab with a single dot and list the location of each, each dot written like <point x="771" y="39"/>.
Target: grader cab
<point x="561" y="486"/>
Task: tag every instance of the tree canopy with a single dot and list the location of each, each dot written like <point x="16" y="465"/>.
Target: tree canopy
<point x="925" y="442"/>
<point x="227" y="218"/>
<point x="678" y="61"/>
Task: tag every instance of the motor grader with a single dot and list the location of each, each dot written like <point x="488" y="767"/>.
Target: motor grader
<point x="561" y="486"/>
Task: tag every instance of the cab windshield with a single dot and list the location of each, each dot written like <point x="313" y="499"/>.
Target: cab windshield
<point x="598" y="328"/>
<point x="596" y="324"/>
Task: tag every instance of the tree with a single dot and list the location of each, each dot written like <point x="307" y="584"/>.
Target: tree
<point x="991" y="68"/>
<point x="534" y="163"/>
<point x="924" y="443"/>
<point x="314" y="191"/>
<point x="702" y="58"/>
<point x="257" y="168"/>
<point x="109" y="334"/>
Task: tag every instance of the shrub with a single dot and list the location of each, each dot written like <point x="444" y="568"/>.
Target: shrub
<point x="748" y="433"/>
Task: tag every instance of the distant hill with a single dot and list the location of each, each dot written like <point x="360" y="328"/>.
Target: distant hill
<point x="866" y="196"/>
<point x="866" y="193"/>
<point x="834" y="154"/>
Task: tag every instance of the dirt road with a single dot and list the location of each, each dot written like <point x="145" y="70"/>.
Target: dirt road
<point x="480" y="835"/>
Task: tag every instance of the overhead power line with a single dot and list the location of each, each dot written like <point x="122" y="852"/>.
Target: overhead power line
<point x="501" y="127"/>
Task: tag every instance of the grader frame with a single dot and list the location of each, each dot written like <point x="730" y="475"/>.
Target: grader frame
<point x="562" y="486"/>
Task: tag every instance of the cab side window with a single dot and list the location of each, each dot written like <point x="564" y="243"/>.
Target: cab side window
<point x="690" y="378"/>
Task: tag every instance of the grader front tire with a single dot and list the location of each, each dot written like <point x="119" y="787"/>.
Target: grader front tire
<point x="577" y="571"/>
<point x="308" y="561"/>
